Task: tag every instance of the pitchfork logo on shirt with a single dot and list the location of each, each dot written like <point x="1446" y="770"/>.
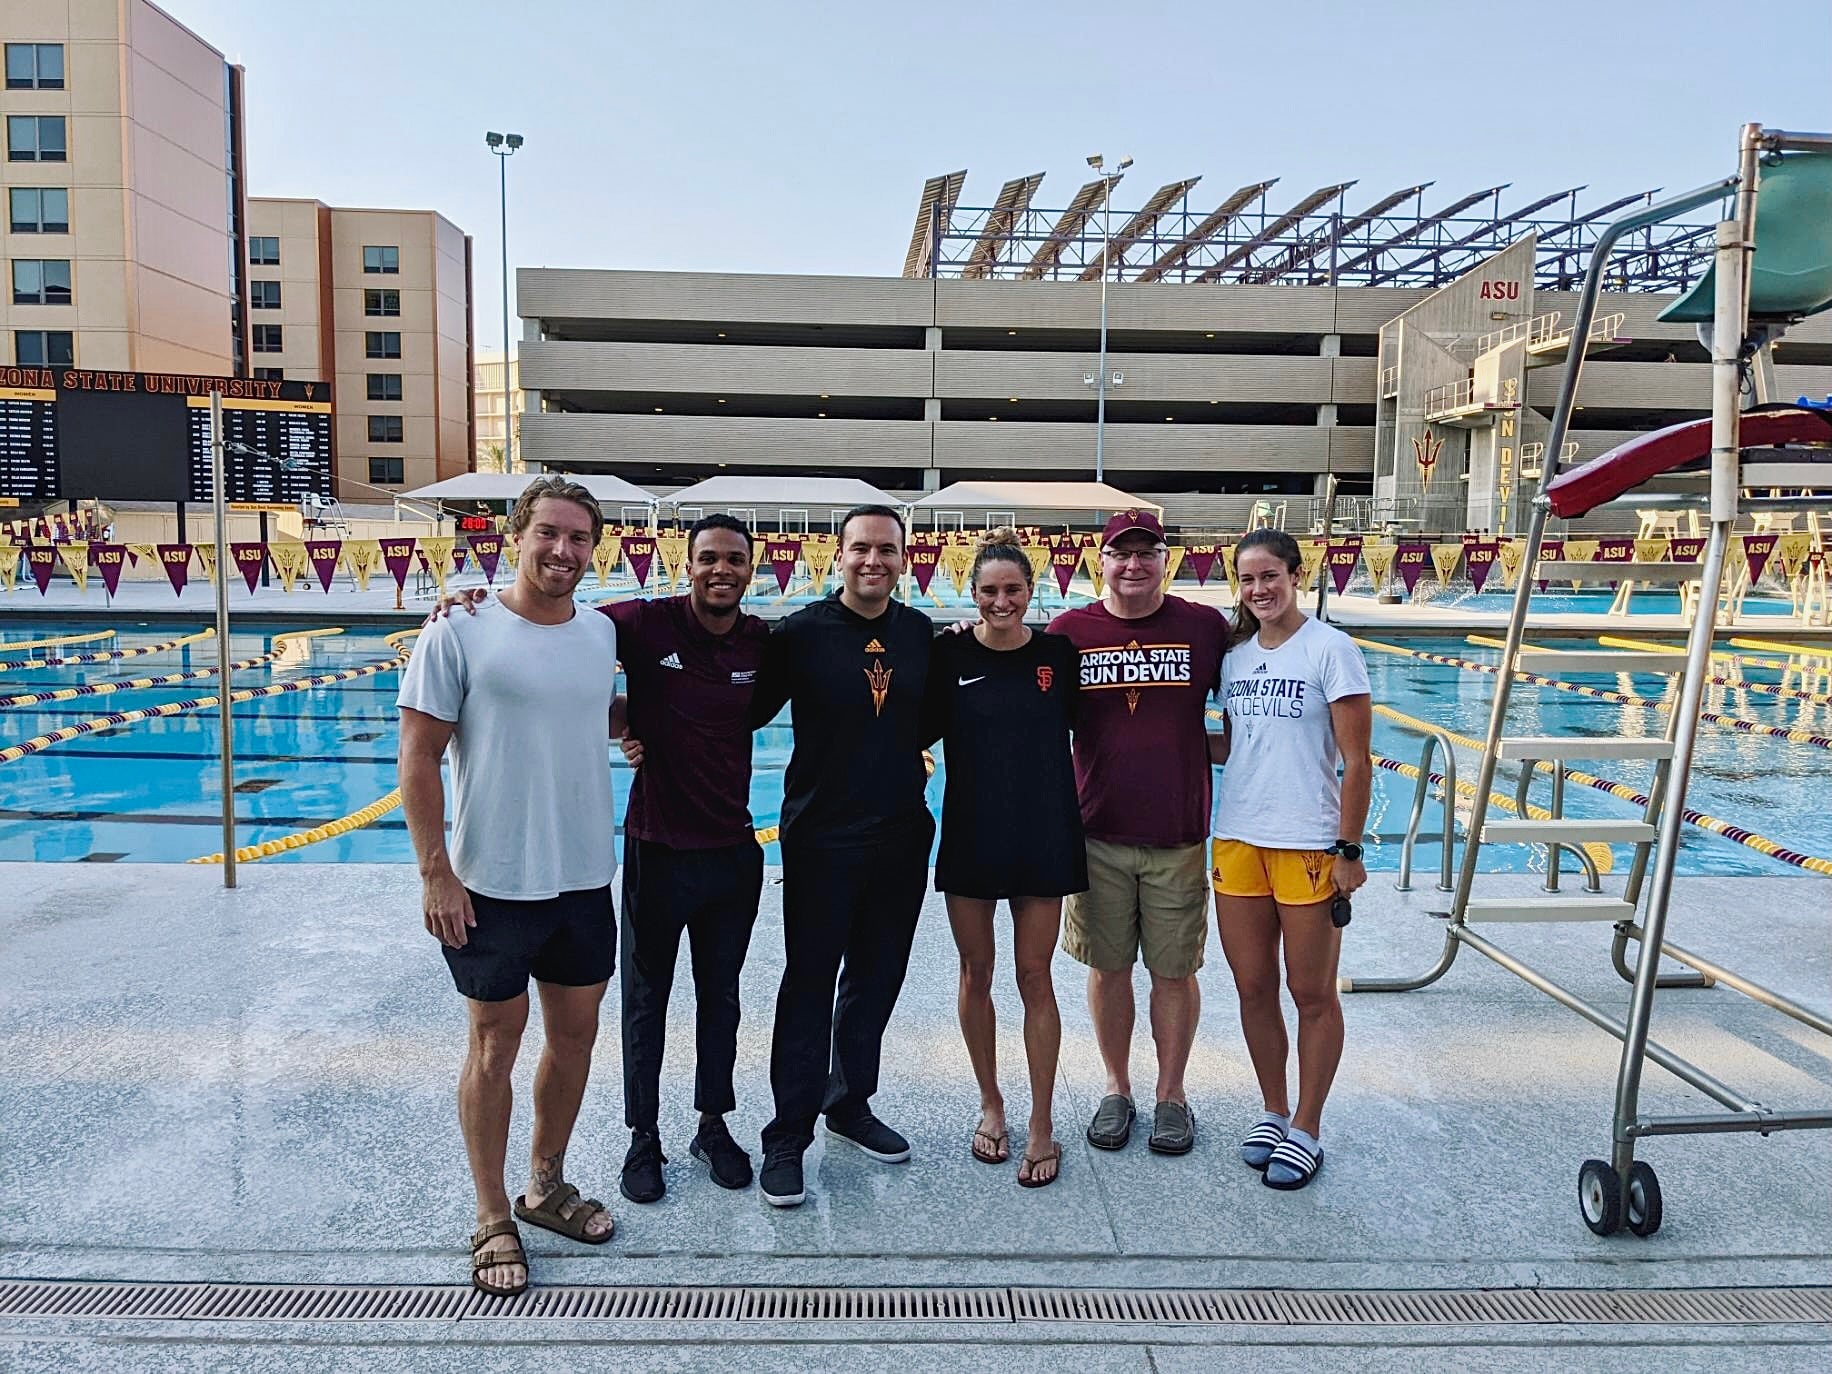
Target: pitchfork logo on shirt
<point x="878" y="678"/>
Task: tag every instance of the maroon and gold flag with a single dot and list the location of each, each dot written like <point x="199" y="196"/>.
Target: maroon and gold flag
<point x="250" y="559"/>
<point x="459" y="554"/>
<point x="42" y="560"/>
<point x="782" y="555"/>
<point x="640" y="554"/>
<point x="1202" y="562"/>
<point x="1065" y="558"/>
<point x="176" y="560"/>
<point x="324" y="554"/>
<point x="1413" y="558"/>
<point x="1342" y="557"/>
<point x="1550" y="551"/>
<point x="489" y="551"/>
<point x="107" y="560"/>
<point x="925" y="557"/>
<point x="397" y="557"/>
<point x="1479" y="559"/>
<point x="1615" y="549"/>
<point x="1686" y="548"/>
<point x="1757" y="548"/>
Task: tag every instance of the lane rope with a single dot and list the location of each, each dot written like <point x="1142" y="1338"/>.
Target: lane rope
<point x="1749" y="839"/>
<point x="1775" y="647"/>
<point x="108" y="656"/>
<point x="343" y="825"/>
<point x="1737" y="723"/>
<point x="1766" y="689"/>
<point x="14" y="645"/>
<point x="100" y="689"/>
<point x="1741" y="660"/>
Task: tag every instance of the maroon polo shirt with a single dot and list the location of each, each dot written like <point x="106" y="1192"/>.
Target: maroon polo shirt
<point x="689" y="703"/>
<point x="1141" y="746"/>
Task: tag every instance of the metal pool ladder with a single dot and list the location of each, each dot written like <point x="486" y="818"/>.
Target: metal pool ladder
<point x="1624" y="1190"/>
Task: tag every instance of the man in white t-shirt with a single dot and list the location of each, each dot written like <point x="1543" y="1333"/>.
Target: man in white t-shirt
<point x="521" y="696"/>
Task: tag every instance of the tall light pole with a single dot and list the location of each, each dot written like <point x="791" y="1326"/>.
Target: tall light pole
<point x="504" y="146"/>
<point x="1099" y="163"/>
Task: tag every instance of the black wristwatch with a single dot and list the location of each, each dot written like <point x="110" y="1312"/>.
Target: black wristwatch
<point x="1348" y="849"/>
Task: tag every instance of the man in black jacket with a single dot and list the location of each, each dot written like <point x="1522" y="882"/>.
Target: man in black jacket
<point x="856" y="833"/>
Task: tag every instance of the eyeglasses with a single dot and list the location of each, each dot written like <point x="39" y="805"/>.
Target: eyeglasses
<point x="1150" y="555"/>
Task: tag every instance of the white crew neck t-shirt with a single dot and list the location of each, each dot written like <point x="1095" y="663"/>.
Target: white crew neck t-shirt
<point x="532" y="814"/>
<point x="1281" y="787"/>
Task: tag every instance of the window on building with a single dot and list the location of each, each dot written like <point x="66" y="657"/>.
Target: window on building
<point x="382" y="344"/>
<point x="386" y="429"/>
<point x="34" y="66"/>
<point x="387" y="472"/>
<point x="381" y="302"/>
<point x="264" y="295"/>
<point x="38" y="209"/>
<point x="263" y="251"/>
<point x="268" y="339"/>
<point x="270" y="374"/>
<point x="384" y="386"/>
<point x="44" y="347"/>
<point x="381" y="257"/>
<point x="41" y="281"/>
<point x="35" y="138"/>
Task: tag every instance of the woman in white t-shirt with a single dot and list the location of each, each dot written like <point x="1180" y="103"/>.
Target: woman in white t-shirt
<point x="1287" y="839"/>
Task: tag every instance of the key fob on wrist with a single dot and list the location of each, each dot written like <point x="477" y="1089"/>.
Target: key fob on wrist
<point x="1341" y="911"/>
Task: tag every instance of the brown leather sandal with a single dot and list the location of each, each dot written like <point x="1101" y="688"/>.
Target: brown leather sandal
<point x="496" y="1258"/>
<point x="551" y="1215"/>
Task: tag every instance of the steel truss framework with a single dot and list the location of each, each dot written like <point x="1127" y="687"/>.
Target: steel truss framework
<point x="1331" y="237"/>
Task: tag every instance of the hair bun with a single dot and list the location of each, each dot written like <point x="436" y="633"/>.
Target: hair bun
<point x="1003" y="537"/>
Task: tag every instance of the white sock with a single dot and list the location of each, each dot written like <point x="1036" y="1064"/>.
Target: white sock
<point x="1306" y="1139"/>
<point x="1277" y="1119"/>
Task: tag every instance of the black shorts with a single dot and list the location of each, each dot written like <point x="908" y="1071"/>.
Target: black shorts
<point x="569" y="940"/>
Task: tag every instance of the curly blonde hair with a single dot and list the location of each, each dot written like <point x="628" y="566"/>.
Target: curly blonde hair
<point x="560" y="489"/>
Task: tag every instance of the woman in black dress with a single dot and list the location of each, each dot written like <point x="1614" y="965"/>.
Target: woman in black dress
<point x="1003" y="699"/>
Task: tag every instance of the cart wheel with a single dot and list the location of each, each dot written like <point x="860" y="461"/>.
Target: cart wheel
<point x="1643" y="1199"/>
<point x="1600" y="1197"/>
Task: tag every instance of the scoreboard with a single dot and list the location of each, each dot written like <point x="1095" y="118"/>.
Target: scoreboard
<point x="80" y="434"/>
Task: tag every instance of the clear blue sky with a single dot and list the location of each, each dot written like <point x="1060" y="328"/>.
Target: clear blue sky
<point x="795" y="137"/>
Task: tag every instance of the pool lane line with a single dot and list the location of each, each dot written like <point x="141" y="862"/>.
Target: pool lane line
<point x="1749" y="839"/>
<point x="1766" y="689"/>
<point x="106" y="656"/>
<point x="89" y="727"/>
<point x="343" y="825"/>
<point x="1775" y="665"/>
<point x="1600" y="853"/>
<point x="1736" y="723"/>
<point x="1776" y="647"/>
<point x="14" y="645"/>
<point x="99" y="689"/>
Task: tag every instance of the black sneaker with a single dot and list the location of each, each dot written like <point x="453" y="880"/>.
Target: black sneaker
<point x="872" y="1136"/>
<point x="714" y="1147"/>
<point x="642" y="1168"/>
<point x="782" y="1178"/>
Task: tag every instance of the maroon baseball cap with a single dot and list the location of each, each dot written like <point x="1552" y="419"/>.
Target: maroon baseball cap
<point x="1129" y="520"/>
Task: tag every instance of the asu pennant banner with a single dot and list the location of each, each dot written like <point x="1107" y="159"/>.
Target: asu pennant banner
<point x="1039" y="556"/>
<point x="1065" y="558"/>
<point x="1444" y="560"/>
<point x="1686" y="548"/>
<point x="135" y="552"/>
<point x="1615" y="549"/>
<point x="249" y="560"/>
<point x="1202" y="562"/>
<point x="1479" y="559"/>
<point x="640" y="555"/>
<point x="1791" y="552"/>
<point x="206" y="559"/>
<point x="781" y="556"/>
<point x="289" y="558"/>
<point x="1550" y="551"/>
<point x="109" y="560"/>
<point x="488" y="550"/>
<point x="42" y="560"/>
<point x="1379" y="559"/>
<point x="76" y="563"/>
<point x="9" y="565"/>
<point x="1580" y="551"/>
<point x="176" y="560"/>
<point x="673" y="551"/>
<point x="461" y="554"/>
<point x="1757" y="548"/>
<point x="1310" y="553"/>
<point x="1342" y="558"/>
<point x="436" y="558"/>
<point x="397" y="557"/>
<point x="1227" y="566"/>
<point x="605" y="557"/>
<point x="361" y="557"/>
<point x="957" y="562"/>
<point x="1652" y="550"/>
<point x="1513" y="554"/>
<point x="817" y="552"/>
<point x="925" y="557"/>
<point x="1412" y="557"/>
<point x="324" y="556"/>
<point x="1090" y="559"/>
<point x="1172" y="561"/>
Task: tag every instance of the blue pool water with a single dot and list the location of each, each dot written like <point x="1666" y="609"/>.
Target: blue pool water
<point x="149" y="791"/>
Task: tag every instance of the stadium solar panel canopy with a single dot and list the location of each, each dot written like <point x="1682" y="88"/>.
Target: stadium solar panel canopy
<point x="1034" y="496"/>
<point x="506" y="486"/>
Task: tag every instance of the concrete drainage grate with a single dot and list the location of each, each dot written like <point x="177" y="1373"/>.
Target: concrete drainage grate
<point x="227" y="1302"/>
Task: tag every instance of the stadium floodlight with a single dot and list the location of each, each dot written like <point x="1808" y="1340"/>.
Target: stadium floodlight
<point x="1099" y="163"/>
<point x="1125" y="162"/>
<point x="505" y="146"/>
<point x="513" y="140"/>
<point x="1096" y="161"/>
<point x="493" y="139"/>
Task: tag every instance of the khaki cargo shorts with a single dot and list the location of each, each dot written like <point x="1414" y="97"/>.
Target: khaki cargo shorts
<point x="1141" y="900"/>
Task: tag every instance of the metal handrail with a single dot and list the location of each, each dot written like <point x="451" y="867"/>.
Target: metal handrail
<point x="1389" y="381"/>
<point x="1450" y="396"/>
<point x="1436" y="740"/>
<point x="1535" y="329"/>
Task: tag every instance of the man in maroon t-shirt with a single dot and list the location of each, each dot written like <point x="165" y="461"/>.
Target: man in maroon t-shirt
<point x="691" y="861"/>
<point x="1149" y="663"/>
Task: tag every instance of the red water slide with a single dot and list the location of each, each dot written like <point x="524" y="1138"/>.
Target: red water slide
<point x="1627" y="466"/>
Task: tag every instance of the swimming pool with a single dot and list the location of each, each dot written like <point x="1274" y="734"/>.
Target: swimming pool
<point x="147" y="792"/>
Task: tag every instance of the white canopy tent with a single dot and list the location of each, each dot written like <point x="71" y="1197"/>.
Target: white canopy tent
<point x="1031" y="502"/>
<point x="611" y="492"/>
<point x="790" y="503"/>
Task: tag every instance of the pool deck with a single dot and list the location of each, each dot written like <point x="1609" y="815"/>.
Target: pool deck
<point x="256" y="1087"/>
<point x="197" y="604"/>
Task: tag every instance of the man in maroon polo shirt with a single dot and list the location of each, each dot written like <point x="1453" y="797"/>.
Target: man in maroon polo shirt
<point x="691" y="861"/>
